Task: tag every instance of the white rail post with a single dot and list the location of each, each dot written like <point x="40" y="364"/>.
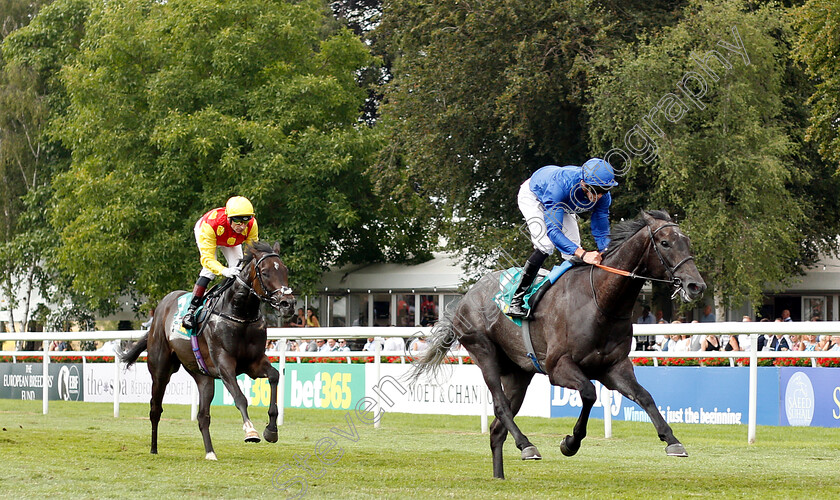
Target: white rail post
<point x="45" y="360"/>
<point x="117" y="381"/>
<point x="281" y="383"/>
<point x="753" y="405"/>
<point x="606" y="396"/>
<point x="377" y="364"/>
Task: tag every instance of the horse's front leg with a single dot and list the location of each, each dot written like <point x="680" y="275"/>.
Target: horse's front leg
<point x="567" y="374"/>
<point x="622" y="378"/>
<point x="227" y="371"/>
<point x="264" y="369"/>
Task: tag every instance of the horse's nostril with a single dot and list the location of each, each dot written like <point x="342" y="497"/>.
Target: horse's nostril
<point x="284" y="304"/>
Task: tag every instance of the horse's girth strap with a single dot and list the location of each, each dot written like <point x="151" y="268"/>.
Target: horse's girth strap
<point x="529" y="346"/>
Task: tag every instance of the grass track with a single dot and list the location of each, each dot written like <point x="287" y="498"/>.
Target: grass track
<point x="79" y="450"/>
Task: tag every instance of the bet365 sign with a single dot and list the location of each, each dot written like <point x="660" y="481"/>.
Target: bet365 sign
<point x="325" y="386"/>
<point x="315" y="385"/>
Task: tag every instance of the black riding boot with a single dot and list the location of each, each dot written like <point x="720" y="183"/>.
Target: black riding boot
<point x="529" y="272"/>
<point x="198" y="294"/>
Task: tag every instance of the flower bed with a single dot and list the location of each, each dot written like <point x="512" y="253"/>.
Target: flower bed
<point x="805" y="362"/>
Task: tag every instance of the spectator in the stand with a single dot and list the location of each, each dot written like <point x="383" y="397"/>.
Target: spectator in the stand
<point x="824" y="344"/>
<point x="710" y="343"/>
<point x="370" y="345"/>
<point x="331" y="346"/>
<point x="321" y="345"/>
<point x="148" y="323"/>
<point x="298" y="320"/>
<point x="834" y="343"/>
<point x="795" y="342"/>
<point x="342" y="345"/>
<point x="708" y="315"/>
<point x="394" y="344"/>
<point x="645" y="341"/>
<point x="743" y="340"/>
<point x="809" y="343"/>
<point x="763" y="342"/>
<point x="682" y="343"/>
<point x="779" y="343"/>
<point x="786" y="315"/>
<point x="418" y="345"/>
<point x="312" y="320"/>
<point x="646" y="318"/>
<point x="660" y="317"/>
<point x="58" y="345"/>
<point x="696" y="340"/>
<point x="730" y="343"/>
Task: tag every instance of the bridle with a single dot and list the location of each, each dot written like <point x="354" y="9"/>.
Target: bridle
<point x="269" y="298"/>
<point x="674" y="281"/>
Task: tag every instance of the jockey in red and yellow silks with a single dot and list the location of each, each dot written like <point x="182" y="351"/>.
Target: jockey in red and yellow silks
<point x="225" y="228"/>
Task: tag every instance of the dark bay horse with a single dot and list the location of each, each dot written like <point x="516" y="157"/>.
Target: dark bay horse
<point x="581" y="331"/>
<point x="231" y="341"/>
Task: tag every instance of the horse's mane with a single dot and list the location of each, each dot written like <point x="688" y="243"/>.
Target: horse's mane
<point x="259" y="246"/>
<point x="622" y="231"/>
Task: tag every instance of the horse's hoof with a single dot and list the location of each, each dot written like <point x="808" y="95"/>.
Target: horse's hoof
<point x="676" y="450"/>
<point x="566" y="448"/>
<point x="252" y="437"/>
<point x="210" y="456"/>
<point x="531" y="453"/>
<point x="270" y="436"/>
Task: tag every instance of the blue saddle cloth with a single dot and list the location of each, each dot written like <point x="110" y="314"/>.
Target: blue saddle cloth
<point x="509" y="280"/>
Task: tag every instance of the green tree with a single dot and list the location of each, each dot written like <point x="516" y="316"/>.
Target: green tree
<point x="708" y="141"/>
<point x="485" y="93"/>
<point x="176" y="106"/>
<point x="23" y="155"/>
<point x="818" y="47"/>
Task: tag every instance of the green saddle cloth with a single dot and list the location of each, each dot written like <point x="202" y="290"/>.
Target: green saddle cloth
<point x="508" y="281"/>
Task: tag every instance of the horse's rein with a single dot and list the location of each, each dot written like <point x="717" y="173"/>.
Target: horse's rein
<point x="622" y="272"/>
<point x="671" y="270"/>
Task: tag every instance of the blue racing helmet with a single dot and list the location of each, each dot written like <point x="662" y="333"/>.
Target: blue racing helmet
<point x="598" y="172"/>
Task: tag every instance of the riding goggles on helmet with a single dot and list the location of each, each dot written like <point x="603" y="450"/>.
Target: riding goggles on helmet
<point x="240" y="219"/>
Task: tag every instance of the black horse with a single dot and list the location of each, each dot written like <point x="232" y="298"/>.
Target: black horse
<point x="232" y="341"/>
<point x="581" y="331"/>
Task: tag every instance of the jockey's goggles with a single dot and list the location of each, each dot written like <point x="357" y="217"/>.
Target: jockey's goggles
<point x="597" y="189"/>
<point x="240" y="219"/>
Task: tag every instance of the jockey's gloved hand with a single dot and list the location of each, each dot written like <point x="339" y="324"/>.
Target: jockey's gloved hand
<point x="230" y="272"/>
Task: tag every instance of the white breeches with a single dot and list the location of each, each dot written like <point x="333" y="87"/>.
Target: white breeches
<point x="534" y="214"/>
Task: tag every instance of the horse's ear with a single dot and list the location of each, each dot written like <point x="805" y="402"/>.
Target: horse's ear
<point x="276" y="247"/>
<point x="646" y="217"/>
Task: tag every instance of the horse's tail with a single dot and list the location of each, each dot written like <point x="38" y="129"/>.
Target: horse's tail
<point x="440" y="341"/>
<point x="130" y="357"/>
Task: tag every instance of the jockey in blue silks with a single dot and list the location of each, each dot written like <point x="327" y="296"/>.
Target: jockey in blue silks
<point x="549" y="201"/>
